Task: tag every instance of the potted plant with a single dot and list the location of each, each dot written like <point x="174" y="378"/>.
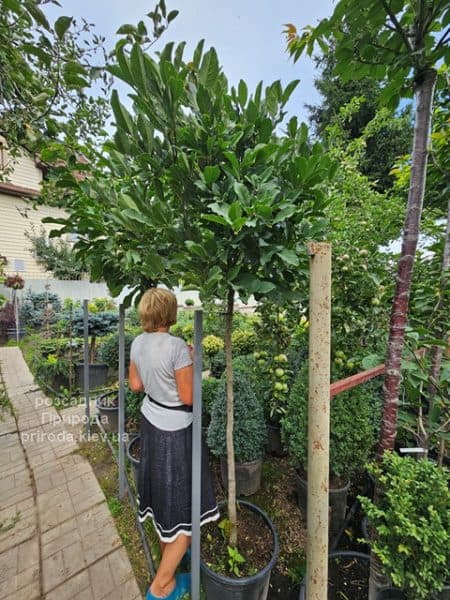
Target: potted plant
<point x="99" y="325"/>
<point x="249" y="434"/>
<point x="352" y="436"/>
<point x="7" y="320"/>
<point x="15" y="283"/>
<point x="411" y="525"/>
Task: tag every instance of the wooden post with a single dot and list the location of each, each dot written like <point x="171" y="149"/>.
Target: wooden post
<point x="318" y="421"/>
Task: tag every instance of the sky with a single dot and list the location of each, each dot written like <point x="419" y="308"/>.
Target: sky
<point x="247" y="35"/>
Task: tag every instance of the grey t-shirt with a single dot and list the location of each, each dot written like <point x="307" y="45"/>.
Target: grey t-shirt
<point x="157" y="356"/>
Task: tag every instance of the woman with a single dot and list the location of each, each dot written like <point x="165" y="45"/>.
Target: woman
<point x="161" y="366"/>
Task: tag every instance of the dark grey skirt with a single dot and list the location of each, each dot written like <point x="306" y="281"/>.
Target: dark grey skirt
<point x="165" y="477"/>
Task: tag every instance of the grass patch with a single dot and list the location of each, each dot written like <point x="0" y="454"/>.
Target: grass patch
<point x="9" y="523"/>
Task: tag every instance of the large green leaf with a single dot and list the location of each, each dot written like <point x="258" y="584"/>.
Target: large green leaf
<point x="62" y="25"/>
<point x="209" y="69"/>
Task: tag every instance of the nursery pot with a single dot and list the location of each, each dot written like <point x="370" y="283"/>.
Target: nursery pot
<point x="391" y="594"/>
<point x="11" y="333"/>
<point x="109" y="415"/>
<point x="444" y="594"/>
<point x="248" y="476"/>
<point x="274" y="445"/>
<point x="132" y="444"/>
<point x="255" y="587"/>
<point x="343" y="554"/>
<point x="337" y="503"/>
<point x="98" y="374"/>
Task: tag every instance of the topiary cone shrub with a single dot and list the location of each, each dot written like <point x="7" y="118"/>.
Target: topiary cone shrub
<point x="352" y="430"/>
<point x="250" y="431"/>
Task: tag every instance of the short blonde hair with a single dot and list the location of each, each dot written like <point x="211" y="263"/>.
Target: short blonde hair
<point x="157" y="308"/>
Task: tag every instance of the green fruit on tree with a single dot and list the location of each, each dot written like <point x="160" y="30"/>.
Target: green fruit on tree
<point x="339" y="361"/>
<point x="281" y="358"/>
<point x="278" y="386"/>
<point x="375" y="301"/>
<point x="279" y="372"/>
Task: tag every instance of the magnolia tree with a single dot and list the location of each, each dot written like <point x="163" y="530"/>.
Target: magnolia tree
<point x="202" y="184"/>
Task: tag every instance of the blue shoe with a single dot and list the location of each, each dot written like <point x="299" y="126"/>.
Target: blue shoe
<point x="182" y="587"/>
<point x="183" y="584"/>
<point x="185" y="563"/>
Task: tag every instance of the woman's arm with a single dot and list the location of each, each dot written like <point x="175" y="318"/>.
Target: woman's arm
<point x="134" y="379"/>
<point x="184" y="380"/>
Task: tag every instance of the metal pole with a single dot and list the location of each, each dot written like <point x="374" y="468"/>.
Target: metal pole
<point x="122" y="489"/>
<point x="196" y="456"/>
<point x="86" y="365"/>
<point x="318" y="421"/>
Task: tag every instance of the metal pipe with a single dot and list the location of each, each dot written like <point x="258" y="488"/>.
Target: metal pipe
<point x="318" y="421"/>
<point x="196" y="456"/>
<point x="86" y="365"/>
<point x="121" y="440"/>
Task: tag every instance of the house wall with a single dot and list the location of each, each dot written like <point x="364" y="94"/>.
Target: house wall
<point x="16" y="218"/>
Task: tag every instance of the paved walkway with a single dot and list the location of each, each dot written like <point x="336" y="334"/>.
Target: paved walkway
<point x="58" y="540"/>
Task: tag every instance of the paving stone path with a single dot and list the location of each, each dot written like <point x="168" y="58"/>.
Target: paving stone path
<point x="58" y="540"/>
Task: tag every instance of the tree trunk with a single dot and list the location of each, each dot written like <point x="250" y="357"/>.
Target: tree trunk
<point x="440" y="333"/>
<point x="232" y="514"/>
<point x="399" y="312"/>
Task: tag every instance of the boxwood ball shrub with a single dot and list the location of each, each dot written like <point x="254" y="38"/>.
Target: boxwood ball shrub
<point x="212" y="344"/>
<point x="243" y="341"/>
<point x="412" y="524"/>
<point x="249" y="424"/>
<point x="352" y="433"/>
<point x="108" y="350"/>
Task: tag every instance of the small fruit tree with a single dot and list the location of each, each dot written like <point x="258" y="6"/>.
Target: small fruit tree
<point x="200" y="184"/>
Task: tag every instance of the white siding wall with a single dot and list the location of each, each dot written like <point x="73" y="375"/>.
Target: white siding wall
<point x="17" y="217"/>
<point x="24" y="172"/>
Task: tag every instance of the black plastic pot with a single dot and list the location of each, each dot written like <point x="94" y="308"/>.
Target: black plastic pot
<point x="248" y="476"/>
<point x="391" y="594"/>
<point x="365" y="528"/>
<point x="98" y="374"/>
<point x="337" y="502"/>
<point x="256" y="587"/>
<point x="109" y="415"/>
<point x="274" y="444"/>
<point x="12" y="333"/>
<point x="336" y="554"/>
<point x="134" y="461"/>
<point x="444" y="594"/>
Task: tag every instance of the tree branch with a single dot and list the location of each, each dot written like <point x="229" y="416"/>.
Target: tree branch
<point x="398" y="28"/>
<point x="443" y="40"/>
